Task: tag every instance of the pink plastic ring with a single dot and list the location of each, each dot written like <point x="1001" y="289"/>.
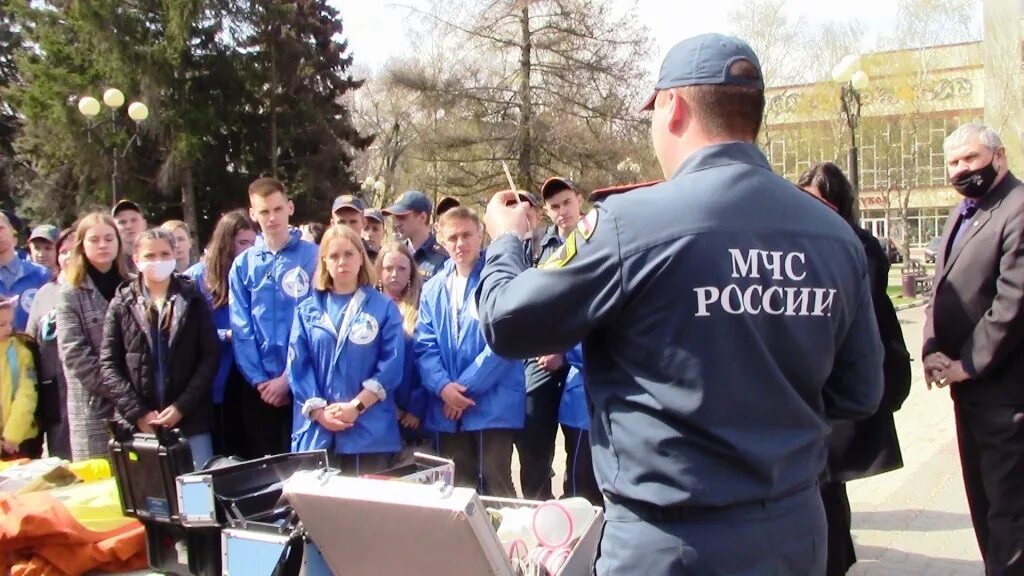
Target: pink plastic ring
<point x="568" y="517"/>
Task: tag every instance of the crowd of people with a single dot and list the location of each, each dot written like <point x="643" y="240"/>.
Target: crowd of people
<point x="335" y="336"/>
<point x="742" y="358"/>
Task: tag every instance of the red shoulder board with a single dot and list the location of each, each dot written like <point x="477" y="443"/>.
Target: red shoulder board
<point x="602" y="193"/>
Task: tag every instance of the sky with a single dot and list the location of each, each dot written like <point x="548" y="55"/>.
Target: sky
<point x="375" y="28"/>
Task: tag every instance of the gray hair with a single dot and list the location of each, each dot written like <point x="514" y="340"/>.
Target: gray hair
<point x="155" y="234"/>
<point x="970" y="132"/>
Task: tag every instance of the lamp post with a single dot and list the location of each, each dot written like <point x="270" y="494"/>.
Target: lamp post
<point x="114" y="99"/>
<point x="375" y="186"/>
<point x="852" y="80"/>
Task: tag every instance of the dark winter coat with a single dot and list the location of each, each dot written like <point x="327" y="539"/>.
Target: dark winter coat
<point x="128" y="360"/>
<point x="869" y="447"/>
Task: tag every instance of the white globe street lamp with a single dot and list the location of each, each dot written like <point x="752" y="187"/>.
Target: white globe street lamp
<point x="138" y="111"/>
<point x="89" y="106"/>
<point x="114" y="99"/>
<point x="859" y="80"/>
<point x="852" y="80"/>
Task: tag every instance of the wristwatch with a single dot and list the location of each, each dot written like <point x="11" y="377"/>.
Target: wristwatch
<point x="360" y="407"/>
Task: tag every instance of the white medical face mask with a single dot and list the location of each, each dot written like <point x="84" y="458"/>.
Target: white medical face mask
<point x="157" y="271"/>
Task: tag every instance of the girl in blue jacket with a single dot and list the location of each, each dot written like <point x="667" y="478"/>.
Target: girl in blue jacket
<point x="399" y="279"/>
<point x="345" y="361"/>
<point x="234" y="234"/>
<point x="574" y="415"/>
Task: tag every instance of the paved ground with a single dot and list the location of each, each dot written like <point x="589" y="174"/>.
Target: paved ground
<point x="913" y="520"/>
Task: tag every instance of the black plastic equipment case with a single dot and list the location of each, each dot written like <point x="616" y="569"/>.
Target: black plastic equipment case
<point x="174" y="549"/>
<point x="249" y="496"/>
<point x="145" y="466"/>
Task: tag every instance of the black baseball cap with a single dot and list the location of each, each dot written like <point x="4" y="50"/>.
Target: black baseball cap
<point x="445" y="204"/>
<point x="555" y="185"/>
<point x="529" y="197"/>
<point x="705" y="60"/>
<point x="348" y="202"/>
<point x="411" y="201"/>
<point x="524" y="196"/>
<point x="123" y="205"/>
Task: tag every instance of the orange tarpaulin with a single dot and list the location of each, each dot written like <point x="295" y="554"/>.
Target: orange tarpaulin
<point x="40" y="537"/>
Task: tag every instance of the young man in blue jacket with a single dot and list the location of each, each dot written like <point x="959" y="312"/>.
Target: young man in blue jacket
<point x="478" y="399"/>
<point x="267" y="282"/>
<point x="18" y="276"/>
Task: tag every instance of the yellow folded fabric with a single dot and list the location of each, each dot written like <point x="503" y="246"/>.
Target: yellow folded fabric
<point x="96" y="505"/>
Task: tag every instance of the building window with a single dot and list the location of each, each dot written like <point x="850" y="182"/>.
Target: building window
<point x="901" y="153"/>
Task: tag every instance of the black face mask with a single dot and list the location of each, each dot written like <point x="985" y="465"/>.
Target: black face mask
<point x="975" y="183"/>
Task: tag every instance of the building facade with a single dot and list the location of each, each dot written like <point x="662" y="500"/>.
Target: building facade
<point x="914" y="99"/>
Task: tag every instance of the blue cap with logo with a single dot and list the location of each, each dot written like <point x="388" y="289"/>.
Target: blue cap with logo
<point x="704" y="60"/>
<point x="411" y="201"/>
<point x="348" y="202"/>
<point x="556" y="184"/>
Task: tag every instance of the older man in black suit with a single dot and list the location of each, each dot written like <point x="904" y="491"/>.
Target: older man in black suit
<point x="974" y="339"/>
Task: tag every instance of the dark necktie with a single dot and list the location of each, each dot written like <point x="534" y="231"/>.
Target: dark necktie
<point x="968" y="209"/>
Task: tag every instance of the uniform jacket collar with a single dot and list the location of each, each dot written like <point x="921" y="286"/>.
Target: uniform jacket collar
<point x="294" y="237"/>
<point x="726" y="154"/>
<point x="449" y="267"/>
<point x="427" y="245"/>
<point x="551" y="237"/>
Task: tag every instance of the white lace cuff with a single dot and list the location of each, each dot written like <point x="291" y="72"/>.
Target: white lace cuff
<point x="375" y="387"/>
<point x="312" y="404"/>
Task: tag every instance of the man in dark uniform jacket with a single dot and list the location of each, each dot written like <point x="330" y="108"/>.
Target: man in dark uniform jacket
<point x="973" y="339"/>
<point x="725" y="317"/>
<point x="411" y="214"/>
<point x="545" y="375"/>
<point x="349" y="210"/>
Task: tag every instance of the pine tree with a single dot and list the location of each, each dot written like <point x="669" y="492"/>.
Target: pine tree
<point x="222" y="80"/>
<point x="10" y="43"/>
<point x="304" y="132"/>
